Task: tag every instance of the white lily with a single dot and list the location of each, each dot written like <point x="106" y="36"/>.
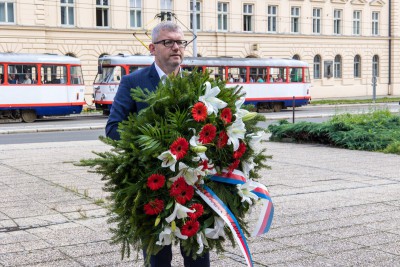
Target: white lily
<point x="244" y="190"/>
<point x="240" y="113"/>
<point x="189" y="174"/>
<point x="202" y="241"/>
<point x="235" y="132"/>
<point x="167" y="235"/>
<point x="168" y="160"/>
<point x="255" y="139"/>
<point x="247" y="166"/>
<point x="194" y="142"/>
<point x="218" y="230"/>
<point x="179" y="212"/>
<point x="210" y="100"/>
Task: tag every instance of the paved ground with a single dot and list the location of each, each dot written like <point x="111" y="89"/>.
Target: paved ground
<point x="333" y="207"/>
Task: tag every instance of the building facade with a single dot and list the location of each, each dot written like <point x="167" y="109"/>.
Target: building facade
<point x="345" y="42"/>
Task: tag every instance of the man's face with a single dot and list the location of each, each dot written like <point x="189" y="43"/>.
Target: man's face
<point x="168" y="58"/>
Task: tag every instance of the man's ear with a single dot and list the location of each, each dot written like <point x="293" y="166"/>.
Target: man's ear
<point x="152" y="48"/>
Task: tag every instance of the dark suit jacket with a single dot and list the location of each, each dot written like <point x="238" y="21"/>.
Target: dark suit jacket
<point x="123" y="103"/>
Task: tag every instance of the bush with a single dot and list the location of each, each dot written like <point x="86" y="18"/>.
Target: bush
<point x="376" y="131"/>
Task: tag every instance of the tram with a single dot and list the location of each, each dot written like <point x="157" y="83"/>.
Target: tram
<point x="37" y="85"/>
<point x="270" y="84"/>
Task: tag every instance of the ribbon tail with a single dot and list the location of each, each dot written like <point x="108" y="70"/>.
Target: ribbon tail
<point x="222" y="210"/>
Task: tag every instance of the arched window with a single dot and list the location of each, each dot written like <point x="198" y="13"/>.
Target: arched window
<point x="70" y="54"/>
<point x="296" y="57"/>
<point x="103" y="54"/>
<point x="337" y="66"/>
<point x="375" y="66"/>
<point x="357" y="66"/>
<point x="317" y="67"/>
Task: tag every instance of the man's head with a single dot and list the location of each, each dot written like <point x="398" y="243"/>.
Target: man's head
<point x="168" y="46"/>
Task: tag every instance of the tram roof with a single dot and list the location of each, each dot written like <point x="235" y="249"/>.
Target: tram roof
<point x="206" y="61"/>
<point x="37" y="58"/>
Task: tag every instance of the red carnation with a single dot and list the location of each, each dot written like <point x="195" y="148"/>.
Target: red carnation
<point x="208" y="133"/>
<point x="198" y="211"/>
<point x="234" y="165"/>
<point x="185" y="195"/>
<point x="179" y="147"/>
<point x="239" y="153"/>
<point x="154" y="207"/>
<point x="190" y="228"/>
<point x="199" y="111"/>
<point x="222" y="139"/>
<point x="226" y="115"/>
<point x="177" y="186"/>
<point x="155" y="181"/>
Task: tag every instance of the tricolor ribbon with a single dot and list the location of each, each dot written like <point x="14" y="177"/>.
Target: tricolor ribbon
<point x="267" y="211"/>
<point x="222" y="210"/>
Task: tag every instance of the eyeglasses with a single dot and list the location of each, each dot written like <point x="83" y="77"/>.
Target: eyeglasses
<point x="170" y="43"/>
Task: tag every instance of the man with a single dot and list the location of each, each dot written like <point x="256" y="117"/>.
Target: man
<point x="168" y="48"/>
<point x="13" y="79"/>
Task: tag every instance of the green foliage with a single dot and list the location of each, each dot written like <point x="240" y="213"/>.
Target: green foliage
<point x="146" y="135"/>
<point x="376" y="131"/>
<point x="354" y="101"/>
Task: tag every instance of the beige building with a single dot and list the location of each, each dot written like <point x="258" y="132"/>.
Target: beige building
<point x="345" y="42"/>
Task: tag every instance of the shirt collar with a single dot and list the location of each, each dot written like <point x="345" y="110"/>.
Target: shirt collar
<point x="161" y="73"/>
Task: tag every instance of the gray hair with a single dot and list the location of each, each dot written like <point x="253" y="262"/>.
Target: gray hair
<point x="164" y="26"/>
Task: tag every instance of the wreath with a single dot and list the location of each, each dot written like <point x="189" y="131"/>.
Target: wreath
<point x="185" y="168"/>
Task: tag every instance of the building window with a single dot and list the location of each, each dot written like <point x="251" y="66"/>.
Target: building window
<point x="247" y="18"/>
<point x="295" y="19"/>
<point x="375" y="66"/>
<point x="166" y="9"/>
<point x="337" y="66"/>
<point x="272" y="15"/>
<point x="102" y="10"/>
<point x="7" y="11"/>
<point x="356" y="22"/>
<point x="357" y="66"/>
<point x="316" y="28"/>
<point x="198" y="10"/>
<point x="296" y="57"/>
<point x="222" y="16"/>
<point x="67" y="12"/>
<point x="375" y="23"/>
<point x="337" y="21"/>
<point x="136" y="13"/>
<point x="317" y="67"/>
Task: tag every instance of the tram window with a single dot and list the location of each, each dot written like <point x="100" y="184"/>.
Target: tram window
<point x="76" y="75"/>
<point x="54" y="74"/>
<point x="134" y="68"/>
<point x="277" y="75"/>
<point x="258" y="74"/>
<point x="296" y="75"/>
<point x="217" y="72"/>
<point x="1" y="74"/>
<point x="236" y="74"/>
<point x="23" y="73"/>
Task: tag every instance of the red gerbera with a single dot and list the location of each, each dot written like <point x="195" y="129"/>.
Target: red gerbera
<point x="179" y="147"/>
<point x="226" y="115"/>
<point x="199" y="209"/>
<point x="208" y="133"/>
<point x="177" y="186"/>
<point x="190" y="228"/>
<point x="222" y="139"/>
<point x="239" y="153"/>
<point x="234" y="165"/>
<point x="185" y="195"/>
<point x="199" y="111"/>
<point x="155" y="181"/>
<point x="154" y="207"/>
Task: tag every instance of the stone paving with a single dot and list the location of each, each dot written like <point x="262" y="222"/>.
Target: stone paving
<point x="333" y="207"/>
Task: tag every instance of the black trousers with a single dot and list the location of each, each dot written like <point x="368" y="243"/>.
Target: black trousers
<point x="164" y="257"/>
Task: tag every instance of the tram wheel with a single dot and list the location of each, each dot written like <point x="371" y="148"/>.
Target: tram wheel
<point x="28" y="115"/>
<point x="277" y="107"/>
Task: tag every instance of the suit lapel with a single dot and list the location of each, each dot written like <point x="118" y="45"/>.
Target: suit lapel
<point x="154" y="78"/>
